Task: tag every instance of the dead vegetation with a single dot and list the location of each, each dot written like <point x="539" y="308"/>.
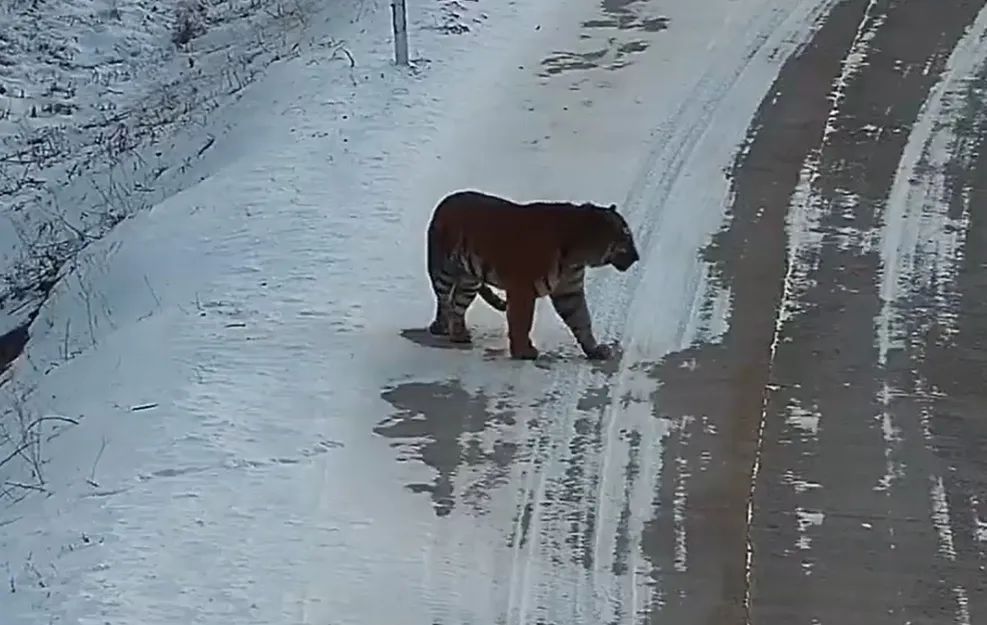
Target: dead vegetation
<point x="23" y="436"/>
<point x="190" y="21"/>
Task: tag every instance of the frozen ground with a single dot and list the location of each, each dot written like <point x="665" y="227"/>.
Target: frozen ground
<point x="225" y="412"/>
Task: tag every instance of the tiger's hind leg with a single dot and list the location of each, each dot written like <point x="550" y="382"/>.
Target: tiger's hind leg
<point x="463" y="294"/>
<point x="454" y="291"/>
<point x="443" y="281"/>
<point x="453" y="295"/>
<point x="442" y="274"/>
<point x="440" y="324"/>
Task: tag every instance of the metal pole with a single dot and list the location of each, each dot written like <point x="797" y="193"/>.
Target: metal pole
<point x="399" y="16"/>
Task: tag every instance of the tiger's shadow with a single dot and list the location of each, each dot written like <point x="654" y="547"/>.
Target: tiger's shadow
<point x="421" y="336"/>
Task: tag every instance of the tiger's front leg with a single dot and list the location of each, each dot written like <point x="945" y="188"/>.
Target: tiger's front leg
<point x="572" y="308"/>
<point x="520" y="315"/>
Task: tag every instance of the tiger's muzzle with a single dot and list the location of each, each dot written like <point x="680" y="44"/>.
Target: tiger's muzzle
<point x="623" y="259"/>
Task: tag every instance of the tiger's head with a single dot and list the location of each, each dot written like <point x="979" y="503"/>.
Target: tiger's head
<point x="614" y="240"/>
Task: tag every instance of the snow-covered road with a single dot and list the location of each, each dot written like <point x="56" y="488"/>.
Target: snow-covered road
<point x="251" y="430"/>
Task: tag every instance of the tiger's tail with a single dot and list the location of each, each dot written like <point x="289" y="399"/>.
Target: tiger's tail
<point x="438" y="262"/>
<point x="492" y="298"/>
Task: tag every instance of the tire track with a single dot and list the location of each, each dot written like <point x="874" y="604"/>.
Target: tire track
<point x="931" y="332"/>
<point x="953" y="373"/>
<point x="929" y="216"/>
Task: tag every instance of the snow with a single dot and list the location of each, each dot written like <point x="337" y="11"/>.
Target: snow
<point x="806" y="519"/>
<point x="250" y="418"/>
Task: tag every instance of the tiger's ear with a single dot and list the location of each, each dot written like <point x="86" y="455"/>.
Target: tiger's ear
<point x="612" y="207"/>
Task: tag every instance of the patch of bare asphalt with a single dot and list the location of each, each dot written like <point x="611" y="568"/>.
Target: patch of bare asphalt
<point x="612" y="55"/>
<point x="825" y="362"/>
<point x="615" y="50"/>
<point x="441" y="424"/>
<point x="628" y="15"/>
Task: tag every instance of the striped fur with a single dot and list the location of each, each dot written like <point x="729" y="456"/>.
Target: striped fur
<point x="533" y="250"/>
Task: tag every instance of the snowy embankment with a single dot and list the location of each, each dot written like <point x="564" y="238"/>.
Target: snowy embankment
<point x="224" y="353"/>
<point x="103" y="113"/>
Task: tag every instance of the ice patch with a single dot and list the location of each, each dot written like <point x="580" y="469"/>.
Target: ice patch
<point x="892" y="437"/>
<point x="800" y="485"/>
<point x="979" y="523"/>
<point x="804" y="419"/>
<point x="805" y="520"/>
<point x="940" y="518"/>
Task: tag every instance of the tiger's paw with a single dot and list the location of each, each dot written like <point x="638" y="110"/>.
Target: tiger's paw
<point x="438" y="328"/>
<point x="599" y="352"/>
<point x="524" y="353"/>
<point x="459" y="334"/>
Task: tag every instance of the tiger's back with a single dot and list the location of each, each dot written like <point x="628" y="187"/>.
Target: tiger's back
<point x="512" y="241"/>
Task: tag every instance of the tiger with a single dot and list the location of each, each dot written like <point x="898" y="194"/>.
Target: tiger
<point x="476" y="240"/>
